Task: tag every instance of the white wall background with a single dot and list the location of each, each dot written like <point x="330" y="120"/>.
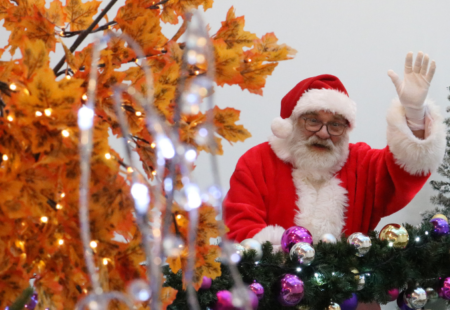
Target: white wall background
<point x="356" y="40"/>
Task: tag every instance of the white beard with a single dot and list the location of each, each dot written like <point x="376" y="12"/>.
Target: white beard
<point x="317" y="165"/>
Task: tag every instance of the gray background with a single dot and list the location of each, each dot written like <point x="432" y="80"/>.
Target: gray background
<point x="356" y="40"/>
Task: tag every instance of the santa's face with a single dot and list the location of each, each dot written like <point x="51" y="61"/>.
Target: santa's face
<point x="319" y="152"/>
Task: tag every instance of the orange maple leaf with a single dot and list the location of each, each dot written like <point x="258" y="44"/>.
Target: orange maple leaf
<point x="168" y="295"/>
<point x="35" y="57"/>
<point x="176" y="8"/>
<point x="224" y="120"/>
<point x="227" y="64"/>
<point x="56" y="14"/>
<point x="80" y="15"/>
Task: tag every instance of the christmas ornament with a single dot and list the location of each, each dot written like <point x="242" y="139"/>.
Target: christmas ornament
<point x="328" y="238"/>
<point x="139" y="290"/>
<point x="440" y="216"/>
<point x="293" y="235"/>
<point x="224" y="301"/>
<point x="361" y="242"/>
<point x="444" y="292"/>
<point x="206" y="283"/>
<point x="258" y="289"/>
<point x="290" y="290"/>
<point x="415" y="298"/>
<point x="440" y="226"/>
<point x="334" y="306"/>
<point x="393" y="293"/>
<point x="360" y="278"/>
<point x="431" y="293"/>
<point x="302" y="252"/>
<point x="227" y="300"/>
<point x="349" y="304"/>
<point x="252" y="244"/>
<point x="395" y="234"/>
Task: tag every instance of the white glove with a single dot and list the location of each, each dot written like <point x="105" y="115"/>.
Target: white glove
<point x="413" y="90"/>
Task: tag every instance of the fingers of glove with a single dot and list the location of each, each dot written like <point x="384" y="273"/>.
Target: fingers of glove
<point x="418" y="62"/>
<point x="408" y="62"/>
<point x="395" y="79"/>
<point x="424" y="69"/>
<point x="431" y="71"/>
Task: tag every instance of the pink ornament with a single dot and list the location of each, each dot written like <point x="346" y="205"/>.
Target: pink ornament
<point x="393" y="293"/>
<point x="293" y="235"/>
<point x="206" y="283"/>
<point x="444" y="292"/>
<point x="223" y="301"/>
<point x="258" y="289"/>
<point x="291" y="290"/>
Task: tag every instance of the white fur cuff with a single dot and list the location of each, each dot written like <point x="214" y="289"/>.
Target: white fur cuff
<point x="270" y="233"/>
<point x="414" y="155"/>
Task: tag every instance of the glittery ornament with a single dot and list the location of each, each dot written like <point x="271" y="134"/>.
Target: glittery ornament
<point x="293" y="235"/>
<point x="440" y="227"/>
<point x="360" y="278"/>
<point x="440" y="216"/>
<point x="361" y="242"/>
<point x="444" y="292"/>
<point x="206" y="283"/>
<point x="303" y="252"/>
<point x="252" y="244"/>
<point x="334" y="306"/>
<point x="350" y="304"/>
<point x="393" y="293"/>
<point x="395" y="234"/>
<point x="328" y="238"/>
<point x="290" y="290"/>
<point x="258" y="289"/>
<point x="415" y="298"/>
<point x="139" y="290"/>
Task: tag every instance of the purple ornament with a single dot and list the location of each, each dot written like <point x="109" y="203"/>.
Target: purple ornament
<point x="206" y="283"/>
<point x="440" y="226"/>
<point x="223" y="301"/>
<point x="32" y="303"/>
<point x="393" y="293"/>
<point x="258" y="289"/>
<point x="291" y="290"/>
<point x="401" y="302"/>
<point x="293" y="235"/>
<point x="350" y="304"/>
<point x="444" y="292"/>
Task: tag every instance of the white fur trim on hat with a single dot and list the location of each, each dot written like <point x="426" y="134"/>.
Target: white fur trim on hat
<point x="414" y="155"/>
<point x="327" y="100"/>
<point x="281" y="128"/>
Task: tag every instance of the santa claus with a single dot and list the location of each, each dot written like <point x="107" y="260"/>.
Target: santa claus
<point x="308" y="174"/>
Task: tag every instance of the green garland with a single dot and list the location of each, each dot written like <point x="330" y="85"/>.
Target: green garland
<point x="328" y="279"/>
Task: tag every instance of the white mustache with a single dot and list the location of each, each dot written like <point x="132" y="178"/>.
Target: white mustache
<point x="316" y="140"/>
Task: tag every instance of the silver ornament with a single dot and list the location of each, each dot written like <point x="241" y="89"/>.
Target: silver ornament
<point x="303" y="252"/>
<point x="361" y="242"/>
<point x="360" y="278"/>
<point x="252" y="244"/>
<point x="334" y="306"/>
<point x="328" y="238"/>
<point x="415" y="298"/>
<point x="139" y="290"/>
<point x="431" y="293"/>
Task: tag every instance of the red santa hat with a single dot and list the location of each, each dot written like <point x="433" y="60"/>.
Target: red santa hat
<point x="323" y="92"/>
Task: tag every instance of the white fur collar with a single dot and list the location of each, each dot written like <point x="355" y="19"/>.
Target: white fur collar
<point x="320" y="211"/>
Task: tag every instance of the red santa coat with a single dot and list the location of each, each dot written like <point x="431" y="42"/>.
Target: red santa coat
<point x="265" y="189"/>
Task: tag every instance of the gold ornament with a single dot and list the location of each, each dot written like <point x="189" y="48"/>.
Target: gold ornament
<point x="395" y="234"/>
<point x="360" y="278"/>
<point x="440" y="216"/>
<point x="334" y="306"/>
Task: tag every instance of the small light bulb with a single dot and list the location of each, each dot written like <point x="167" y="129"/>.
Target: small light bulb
<point x="299" y="269"/>
<point x="48" y="112"/>
<point x="38" y="113"/>
<point x="68" y="77"/>
<point x="426" y="233"/>
<point x="153" y="145"/>
<point x="61" y="33"/>
<point x="154" y="172"/>
<point x="197" y="72"/>
<point x="129" y="169"/>
<point x="256" y="263"/>
<point x="12" y="86"/>
<point x="417" y="239"/>
<point x="137" y="60"/>
<point x="93" y="244"/>
<point x="65" y="133"/>
<point x="5" y="157"/>
<point x="10" y="118"/>
<point x="249" y="60"/>
<point x="44" y="219"/>
<point x="109" y="27"/>
<point x="138" y="113"/>
<point x="105" y="261"/>
<point x="391" y="243"/>
<point x="180" y="246"/>
<point x="60" y="241"/>
<point x="63" y="195"/>
<point x="179" y="216"/>
<point x="108" y="156"/>
<point x="160" y="6"/>
<point x="84" y="97"/>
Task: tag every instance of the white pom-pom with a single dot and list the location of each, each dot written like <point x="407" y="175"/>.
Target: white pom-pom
<point x="281" y="128"/>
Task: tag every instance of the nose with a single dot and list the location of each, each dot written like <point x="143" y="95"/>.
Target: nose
<point x="323" y="133"/>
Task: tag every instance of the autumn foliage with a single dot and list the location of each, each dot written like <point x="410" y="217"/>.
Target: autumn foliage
<point x="39" y="160"/>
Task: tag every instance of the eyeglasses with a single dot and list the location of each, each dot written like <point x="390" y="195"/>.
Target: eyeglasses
<point x="333" y="128"/>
